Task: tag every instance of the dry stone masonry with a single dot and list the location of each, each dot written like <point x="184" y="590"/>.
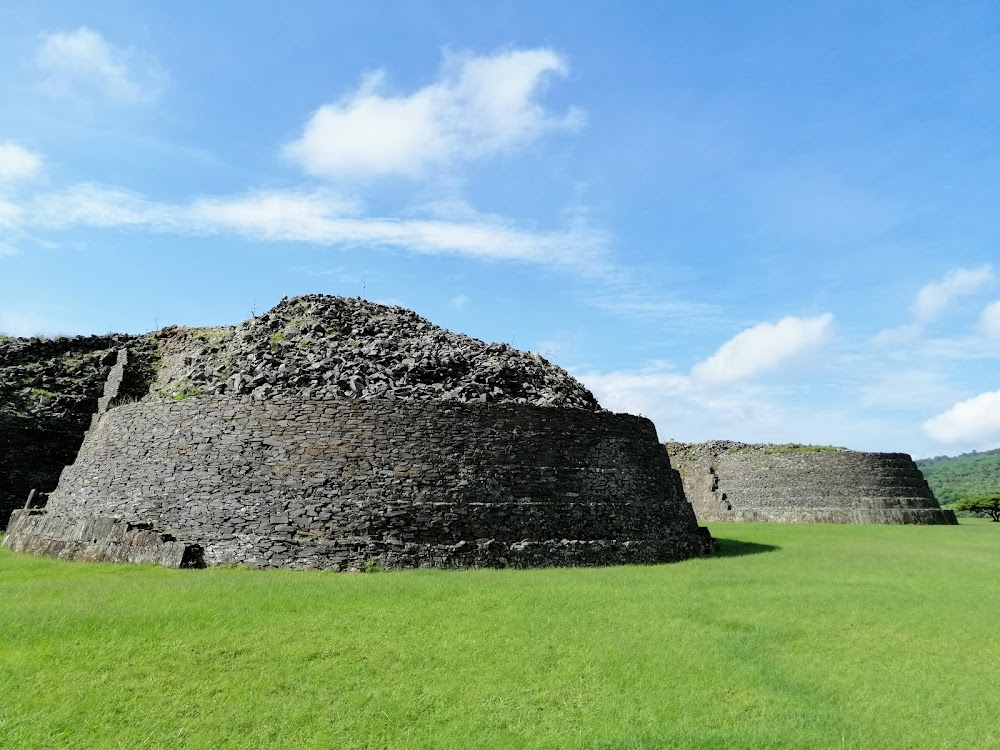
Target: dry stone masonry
<point x="729" y="481"/>
<point x="338" y="434"/>
<point x="49" y="389"/>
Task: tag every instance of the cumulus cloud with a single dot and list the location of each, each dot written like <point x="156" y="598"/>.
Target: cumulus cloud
<point x="17" y="163"/>
<point x="684" y="409"/>
<point x="639" y="392"/>
<point x="478" y="106"/>
<point x="974" y="422"/>
<point x="82" y="61"/>
<point x="320" y="218"/>
<point x="764" y="347"/>
<point x="935" y="297"/>
<point x="931" y="301"/>
<point x="717" y="399"/>
<point x="990" y="320"/>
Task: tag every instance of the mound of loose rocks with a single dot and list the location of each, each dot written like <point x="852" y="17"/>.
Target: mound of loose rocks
<point x="335" y="347"/>
<point x="55" y="380"/>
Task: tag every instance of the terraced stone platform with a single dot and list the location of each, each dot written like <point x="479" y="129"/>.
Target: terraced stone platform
<point x="728" y="481"/>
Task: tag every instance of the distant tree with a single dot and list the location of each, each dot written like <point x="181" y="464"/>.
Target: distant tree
<point x="986" y="504"/>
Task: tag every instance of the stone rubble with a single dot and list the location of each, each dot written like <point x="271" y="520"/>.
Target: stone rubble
<point x="55" y="380"/>
<point x="338" y="347"/>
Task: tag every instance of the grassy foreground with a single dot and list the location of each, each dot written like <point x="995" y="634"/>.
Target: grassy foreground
<point x="796" y="637"/>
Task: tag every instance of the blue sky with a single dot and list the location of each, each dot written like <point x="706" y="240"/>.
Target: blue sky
<point x="770" y="221"/>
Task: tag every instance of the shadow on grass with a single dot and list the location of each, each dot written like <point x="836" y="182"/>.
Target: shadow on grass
<point x="736" y="548"/>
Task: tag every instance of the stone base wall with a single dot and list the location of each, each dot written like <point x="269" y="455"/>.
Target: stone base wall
<point x="925" y="516"/>
<point x="348" y="484"/>
<point x="752" y="483"/>
<point x="95" y="539"/>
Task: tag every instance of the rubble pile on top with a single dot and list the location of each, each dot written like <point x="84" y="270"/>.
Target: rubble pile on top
<point x="335" y="347"/>
<point x="55" y="380"/>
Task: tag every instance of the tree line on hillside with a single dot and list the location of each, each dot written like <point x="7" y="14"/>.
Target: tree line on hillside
<point x="968" y="476"/>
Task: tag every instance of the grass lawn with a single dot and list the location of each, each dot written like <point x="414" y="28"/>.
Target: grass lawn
<point x="794" y="637"/>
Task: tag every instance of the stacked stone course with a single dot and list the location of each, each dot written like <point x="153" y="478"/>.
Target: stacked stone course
<point x="729" y="481"/>
<point x="344" y="484"/>
<point x="96" y="539"/>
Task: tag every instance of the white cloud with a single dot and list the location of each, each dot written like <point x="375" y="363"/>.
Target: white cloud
<point x="323" y="219"/>
<point x="640" y="392"/>
<point x="974" y="422"/>
<point x="10" y="214"/>
<point x="17" y="163"/>
<point x="459" y="301"/>
<point x="91" y="205"/>
<point x="764" y="347"/>
<point x="313" y="218"/>
<point x="931" y="301"/>
<point x="685" y="409"/>
<point x="935" y="297"/>
<point x="478" y="106"/>
<point x="82" y="61"/>
<point x="303" y="217"/>
<point x="7" y="250"/>
<point x="893" y="337"/>
<point x="990" y="320"/>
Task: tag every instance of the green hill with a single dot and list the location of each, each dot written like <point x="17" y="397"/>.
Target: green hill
<point x="955" y="477"/>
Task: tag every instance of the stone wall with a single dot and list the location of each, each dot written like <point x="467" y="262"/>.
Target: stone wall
<point x="96" y="539"/>
<point x="737" y="482"/>
<point x="31" y="457"/>
<point x="345" y="484"/>
<point x="49" y="390"/>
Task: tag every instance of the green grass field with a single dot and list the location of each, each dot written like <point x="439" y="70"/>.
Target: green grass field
<point x="794" y="637"/>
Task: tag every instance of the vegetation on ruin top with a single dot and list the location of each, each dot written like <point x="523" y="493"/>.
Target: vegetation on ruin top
<point x="732" y="446"/>
<point x="797" y="448"/>
<point x="796" y="636"/>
